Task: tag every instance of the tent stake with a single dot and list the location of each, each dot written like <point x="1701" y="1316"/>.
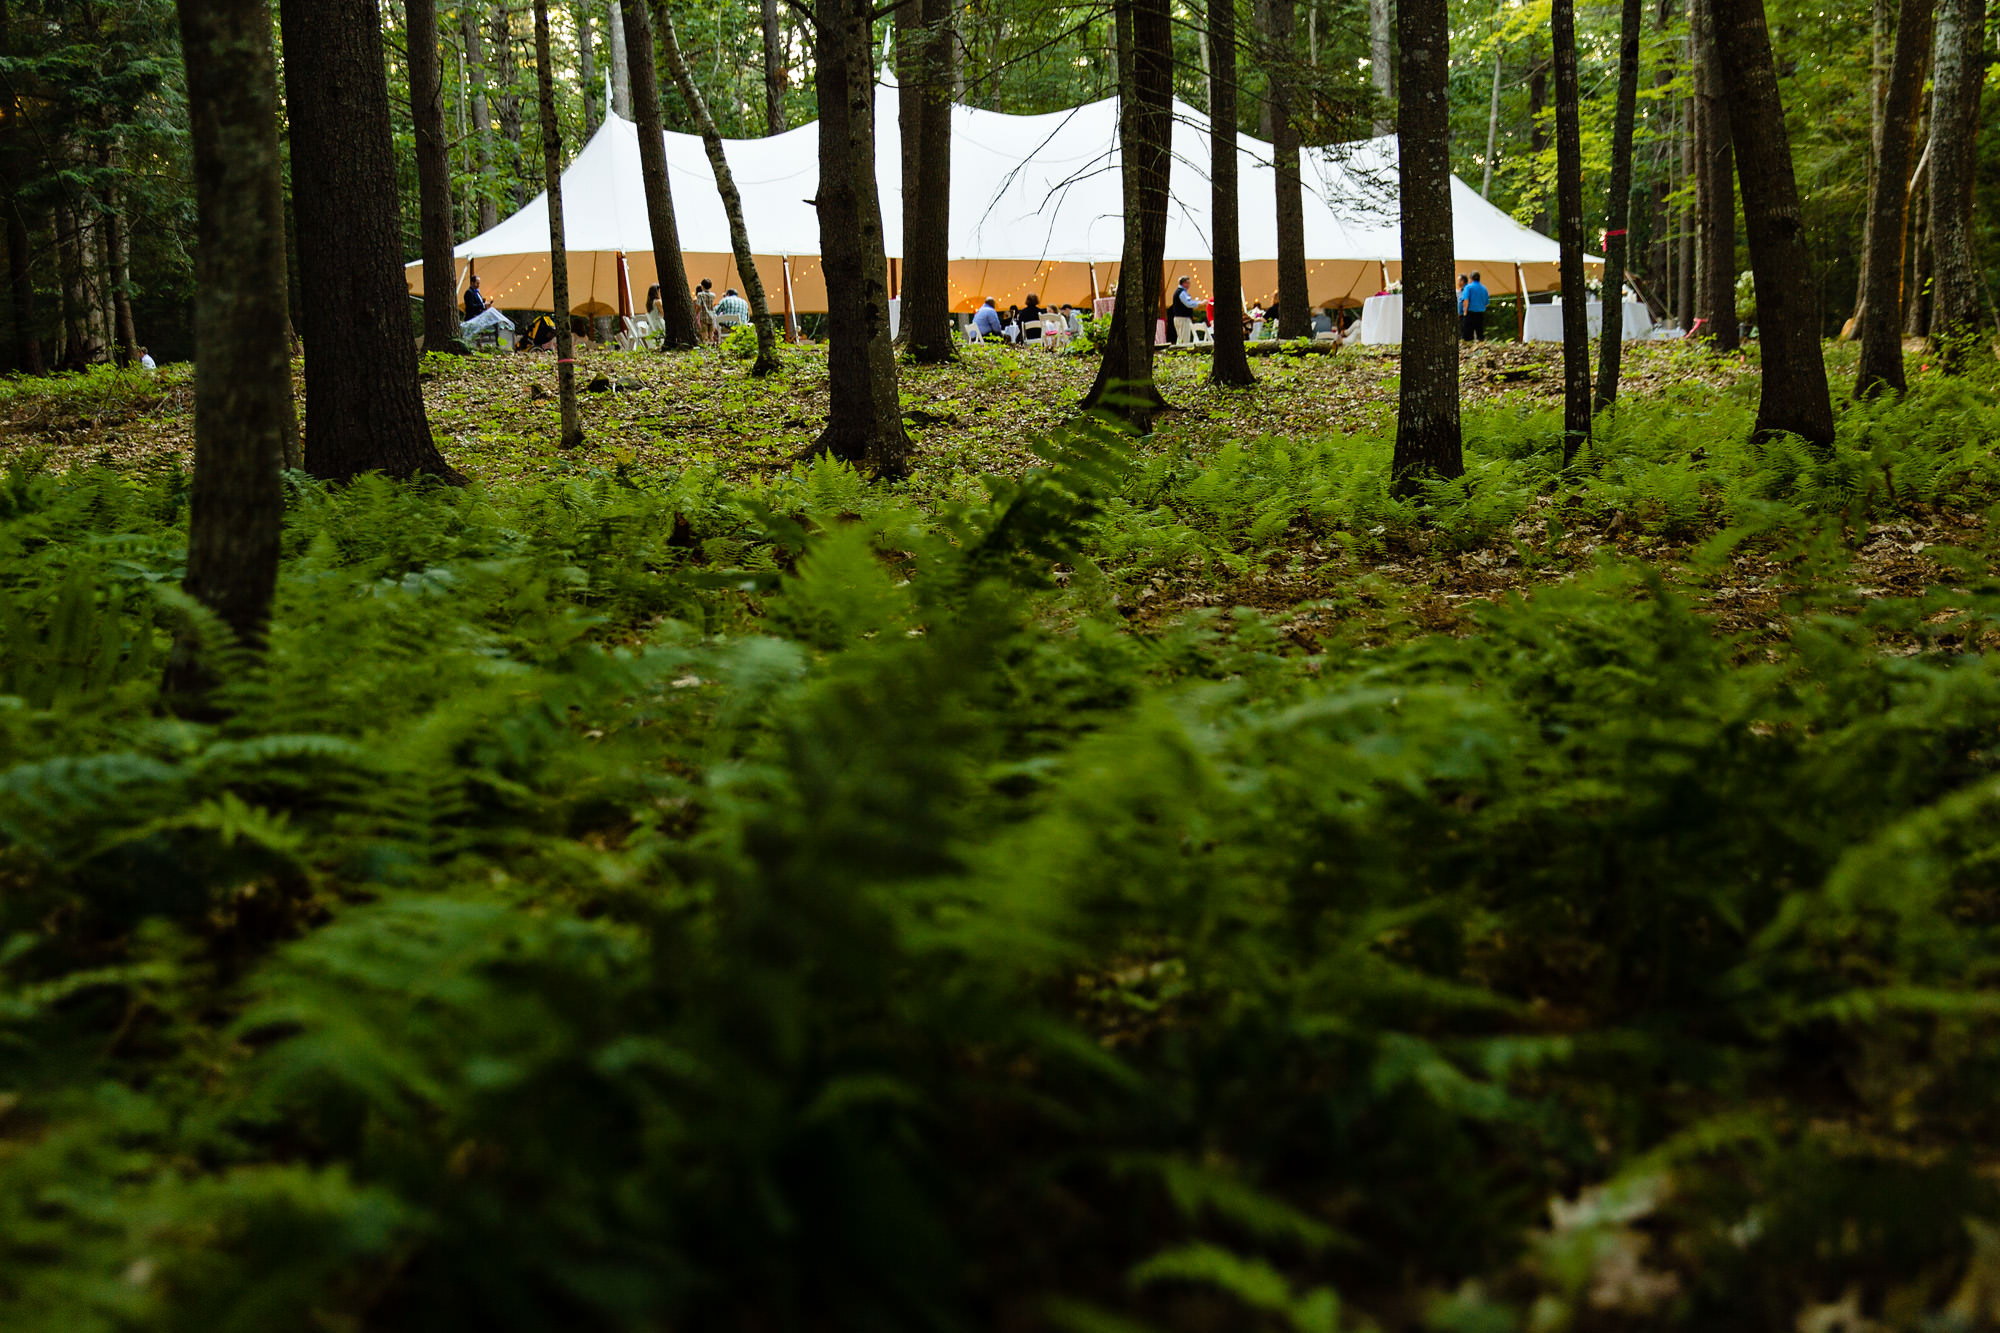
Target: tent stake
<point x="1520" y="305"/>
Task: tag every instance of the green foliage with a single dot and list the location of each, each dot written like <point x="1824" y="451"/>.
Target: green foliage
<point x="741" y="342"/>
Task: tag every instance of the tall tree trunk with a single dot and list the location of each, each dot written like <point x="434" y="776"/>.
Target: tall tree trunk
<point x="1957" y="281"/>
<point x="1124" y="385"/>
<point x="482" y="124"/>
<point x="545" y="113"/>
<point x="364" y="409"/>
<point x="117" y="250"/>
<point x="1618" y="207"/>
<point x="509" y="99"/>
<point x="1229" y="365"/>
<point x="1427" y="424"/>
<point x="1917" y="291"/>
<point x="69" y="282"/>
<point x="732" y="201"/>
<point x="433" y="177"/>
<point x="1569" y="233"/>
<point x="924" y="38"/>
<point x="1492" y="126"/>
<point x="1381" y="69"/>
<point x="1881" y="304"/>
<point x="243" y="418"/>
<point x="20" y="258"/>
<point x="1689" y="211"/>
<point x="1716" y="300"/>
<point x="1794" y="395"/>
<point x="1294" y="299"/>
<point x="580" y="13"/>
<point x="677" y="306"/>
<point x="1538" y="137"/>
<point x="1878" y="91"/>
<point x="864" y="422"/>
<point x="774" y="71"/>
<point x="621" y="64"/>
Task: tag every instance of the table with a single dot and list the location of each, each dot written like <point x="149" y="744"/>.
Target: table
<point x="1102" y="306"/>
<point x="1545" y="321"/>
<point x="1382" y="319"/>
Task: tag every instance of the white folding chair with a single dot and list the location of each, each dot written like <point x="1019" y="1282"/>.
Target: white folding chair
<point x="1201" y="333"/>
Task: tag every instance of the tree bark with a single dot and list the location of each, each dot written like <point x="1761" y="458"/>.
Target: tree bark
<point x="434" y="228"/>
<point x="1957" y="80"/>
<point x="586" y="62"/>
<point x="482" y="124"/>
<point x="1492" y="127"/>
<point x="1124" y="386"/>
<point x="124" y="329"/>
<point x="1917" y="292"/>
<point x="364" y="409"/>
<point x="774" y="71"/>
<point x="1538" y="138"/>
<point x="924" y="37"/>
<point x="1427" y="424"/>
<point x="1690" y="154"/>
<point x="1294" y="299"/>
<point x="621" y="65"/>
<point x="1880" y="13"/>
<point x="1716" y="299"/>
<point x="1380" y="67"/>
<point x="1569" y="234"/>
<point x="1794" y="395"/>
<point x="545" y="107"/>
<point x="1229" y="365"/>
<point x="1881" y="303"/>
<point x="20" y="258"/>
<point x="677" y="306"/>
<point x="1618" y="207"/>
<point x="509" y="100"/>
<point x="243" y="415"/>
<point x="725" y="185"/>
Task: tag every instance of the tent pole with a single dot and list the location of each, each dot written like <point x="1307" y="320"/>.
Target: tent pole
<point x="624" y="288"/>
<point x="1520" y="305"/>
<point x="1383" y="264"/>
<point x="1095" y="295"/>
<point x="895" y="278"/>
<point x="791" y="324"/>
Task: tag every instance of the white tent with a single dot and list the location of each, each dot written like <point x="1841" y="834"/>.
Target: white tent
<point x="1035" y="207"/>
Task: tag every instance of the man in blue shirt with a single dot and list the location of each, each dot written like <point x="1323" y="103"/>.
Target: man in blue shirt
<point x="1476" y="300"/>
<point x="986" y="320"/>
<point x="1184" y="311"/>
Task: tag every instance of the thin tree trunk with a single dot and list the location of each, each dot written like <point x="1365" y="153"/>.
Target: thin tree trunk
<point x="243" y="412"/>
<point x="1538" y="138"/>
<point x="509" y="99"/>
<point x="545" y="108"/>
<point x="924" y="38"/>
<point x="1690" y="152"/>
<point x="1794" y="395"/>
<point x="1569" y="233"/>
<point x="1124" y="385"/>
<point x="725" y="185"/>
<point x="1230" y="364"/>
<point x="1492" y="127"/>
<point x="441" y="322"/>
<point x="364" y="408"/>
<point x="471" y="35"/>
<point x="1618" y="207"/>
<point x="1878" y="91"/>
<point x="621" y="65"/>
<point x="1881" y="305"/>
<point x="20" y="259"/>
<point x="1294" y="300"/>
<point x="774" y="71"/>
<point x="1380" y="66"/>
<point x="1427" y="424"/>
<point x="1917" y="294"/>
<point x="1716" y="300"/>
<point x="864" y="415"/>
<point x="586" y="62"/>
<point x="676" y="304"/>
<point x="1957" y="282"/>
<point x="69" y="282"/>
<point x="124" y="329"/>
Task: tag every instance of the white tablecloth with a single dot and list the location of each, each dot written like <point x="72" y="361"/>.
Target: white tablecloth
<point x="1102" y="305"/>
<point x="1545" y="322"/>
<point x="1382" y="319"/>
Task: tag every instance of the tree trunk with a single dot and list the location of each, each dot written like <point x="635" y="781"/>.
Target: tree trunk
<point x="924" y="38"/>
<point x="1124" y="385"/>
<point x="1881" y="304"/>
<point x="1569" y="234"/>
<point x="586" y="62"/>
<point x="482" y="124"/>
<point x="864" y="422"/>
<point x="1794" y="394"/>
<point x="1538" y="139"/>
<point x="1878" y="89"/>
<point x="433" y="178"/>
<point x="1229" y="365"/>
<point x="621" y="65"/>
<point x="1690" y="153"/>
<point x="124" y="329"/>
<point x="509" y="98"/>
<point x="1716" y="300"/>
<point x="545" y="109"/>
<point x="1294" y="299"/>
<point x="1618" y="207"/>
<point x="774" y="71"/>
<point x="725" y="185"/>
<point x="21" y="281"/>
<point x="243" y="416"/>
<point x="1427" y="425"/>
<point x="677" y="305"/>
<point x="1957" y="282"/>
<point x="364" y="409"/>
<point x="1380" y="66"/>
<point x="86" y="342"/>
<point x="1917" y="291"/>
<point x="1492" y="127"/>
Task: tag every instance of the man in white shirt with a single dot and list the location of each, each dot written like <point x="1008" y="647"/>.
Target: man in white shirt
<point x="146" y="361"/>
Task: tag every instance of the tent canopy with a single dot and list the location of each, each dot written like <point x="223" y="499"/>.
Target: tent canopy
<point x="1036" y="205"/>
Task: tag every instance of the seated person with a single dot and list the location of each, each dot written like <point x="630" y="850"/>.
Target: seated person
<point x="1031" y="319"/>
<point x="1323" y="326"/>
<point x="986" y="320"/>
<point x="475" y="300"/>
<point x="732" y="310"/>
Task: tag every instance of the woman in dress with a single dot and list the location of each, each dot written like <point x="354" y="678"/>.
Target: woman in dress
<point x="704" y="312"/>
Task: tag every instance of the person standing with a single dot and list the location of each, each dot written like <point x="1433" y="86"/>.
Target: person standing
<point x="1183" y="314"/>
<point x="475" y="300"/>
<point x="704" y="311"/>
<point x="1474" y="300"/>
